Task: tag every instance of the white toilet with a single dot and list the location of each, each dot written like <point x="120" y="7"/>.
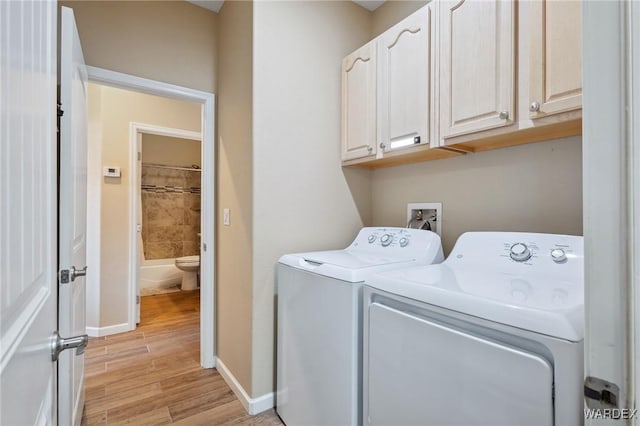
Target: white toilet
<point x="190" y="267"/>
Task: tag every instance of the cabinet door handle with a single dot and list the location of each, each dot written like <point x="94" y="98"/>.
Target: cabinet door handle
<point x="504" y="115"/>
<point x="382" y="145"/>
<point x="534" y="107"/>
<point x="369" y="148"/>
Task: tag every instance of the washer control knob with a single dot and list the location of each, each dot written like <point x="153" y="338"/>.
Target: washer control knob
<point x="520" y="252"/>
<point x="404" y="241"/>
<point x="558" y="255"/>
<point x="386" y="239"/>
<point x="371" y="238"/>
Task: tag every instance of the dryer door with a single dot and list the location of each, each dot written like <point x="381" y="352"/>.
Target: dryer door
<point x="420" y="372"/>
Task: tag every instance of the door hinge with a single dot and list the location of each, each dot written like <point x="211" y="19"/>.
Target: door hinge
<point x="138" y="299"/>
<point x="600" y="394"/>
<point x="139" y="156"/>
<point x="60" y="111"/>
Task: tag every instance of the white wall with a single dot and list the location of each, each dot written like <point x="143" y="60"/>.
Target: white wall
<point x="302" y="198"/>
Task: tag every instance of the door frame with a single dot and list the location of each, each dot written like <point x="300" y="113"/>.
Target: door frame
<point x="611" y="169"/>
<point x="136" y="130"/>
<point x="207" y="228"/>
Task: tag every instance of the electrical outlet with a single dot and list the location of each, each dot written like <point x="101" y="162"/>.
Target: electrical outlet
<point x="425" y="216"/>
<point x="226" y="217"/>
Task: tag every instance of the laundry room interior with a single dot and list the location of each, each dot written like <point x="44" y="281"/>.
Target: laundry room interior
<point x="350" y="128"/>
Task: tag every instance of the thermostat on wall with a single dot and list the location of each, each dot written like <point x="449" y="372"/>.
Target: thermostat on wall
<point x="111" y="171"/>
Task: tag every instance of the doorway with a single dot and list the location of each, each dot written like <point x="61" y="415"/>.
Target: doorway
<point x="98" y="180"/>
<point x="167" y="196"/>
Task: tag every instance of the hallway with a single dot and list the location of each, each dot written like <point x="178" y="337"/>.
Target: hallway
<point x="152" y="375"/>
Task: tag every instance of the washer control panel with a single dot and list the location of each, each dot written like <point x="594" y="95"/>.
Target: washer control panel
<point x="396" y="241"/>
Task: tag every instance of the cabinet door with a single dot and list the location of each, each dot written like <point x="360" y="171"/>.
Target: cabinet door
<point x="556" y="57"/>
<point x="404" y="82"/>
<point x="476" y="65"/>
<point x="359" y="103"/>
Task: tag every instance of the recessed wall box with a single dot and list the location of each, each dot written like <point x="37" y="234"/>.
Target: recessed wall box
<point x="110" y="171"/>
<point x="425" y="216"/>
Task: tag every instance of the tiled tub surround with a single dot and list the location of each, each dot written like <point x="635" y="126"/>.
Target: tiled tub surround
<point x="170" y="212"/>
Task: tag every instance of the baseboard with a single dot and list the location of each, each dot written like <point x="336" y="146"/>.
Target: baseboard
<point x="106" y="331"/>
<point x="252" y="405"/>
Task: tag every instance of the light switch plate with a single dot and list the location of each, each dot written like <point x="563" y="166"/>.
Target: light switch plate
<point x="226" y="217"/>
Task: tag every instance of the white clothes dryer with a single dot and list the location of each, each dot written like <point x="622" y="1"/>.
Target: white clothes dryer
<point x="319" y="330"/>
<point x="492" y="336"/>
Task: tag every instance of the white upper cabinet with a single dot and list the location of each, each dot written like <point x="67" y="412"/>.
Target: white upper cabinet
<point x="359" y="103"/>
<point x="405" y="82"/>
<point x="555" y="57"/>
<point x="476" y="63"/>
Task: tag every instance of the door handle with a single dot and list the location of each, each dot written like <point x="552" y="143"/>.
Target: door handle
<point x="75" y="273"/>
<point x="59" y="344"/>
<point x="69" y="275"/>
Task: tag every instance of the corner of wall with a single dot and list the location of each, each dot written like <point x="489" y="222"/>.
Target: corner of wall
<point x="235" y="192"/>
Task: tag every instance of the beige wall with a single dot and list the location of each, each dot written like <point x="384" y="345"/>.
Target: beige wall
<point x="158" y="149"/>
<point x="170" y="41"/>
<point x="530" y="188"/>
<point x="392" y="12"/>
<point x="117" y="109"/>
<point x="303" y="200"/>
<point x="234" y="190"/>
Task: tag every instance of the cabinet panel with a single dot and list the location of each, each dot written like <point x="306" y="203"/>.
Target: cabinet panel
<point x="476" y="66"/>
<point x="404" y="82"/>
<point x="556" y="57"/>
<point x="359" y="103"/>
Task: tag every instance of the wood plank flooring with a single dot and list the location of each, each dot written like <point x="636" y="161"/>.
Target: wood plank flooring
<point x="152" y="376"/>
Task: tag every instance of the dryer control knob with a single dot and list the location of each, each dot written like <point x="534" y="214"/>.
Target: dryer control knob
<point x="520" y="252"/>
<point x="386" y="239"/>
<point x="371" y="238"/>
<point x="558" y="255"/>
<point x="404" y="241"/>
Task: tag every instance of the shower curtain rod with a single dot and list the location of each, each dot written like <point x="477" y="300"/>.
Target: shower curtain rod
<point x="162" y="166"/>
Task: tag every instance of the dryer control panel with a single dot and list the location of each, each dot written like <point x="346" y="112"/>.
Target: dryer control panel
<point x="507" y="250"/>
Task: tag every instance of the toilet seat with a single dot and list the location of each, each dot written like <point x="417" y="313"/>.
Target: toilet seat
<point x="188" y="261"/>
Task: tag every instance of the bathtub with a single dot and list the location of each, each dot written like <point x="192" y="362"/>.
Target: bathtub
<point x="159" y="273"/>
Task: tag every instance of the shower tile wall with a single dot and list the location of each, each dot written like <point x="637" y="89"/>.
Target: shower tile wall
<point x="170" y="212"/>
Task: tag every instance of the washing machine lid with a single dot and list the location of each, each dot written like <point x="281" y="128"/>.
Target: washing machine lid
<point x="346" y="265"/>
<point x="540" y="303"/>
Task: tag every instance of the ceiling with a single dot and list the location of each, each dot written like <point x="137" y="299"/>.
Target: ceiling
<point x="215" y="5"/>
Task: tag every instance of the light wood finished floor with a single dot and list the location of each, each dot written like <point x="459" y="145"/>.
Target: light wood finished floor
<point x="152" y="376"/>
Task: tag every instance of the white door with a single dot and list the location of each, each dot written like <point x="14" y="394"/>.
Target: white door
<point x="28" y="205"/>
<point x="421" y="372"/>
<point x="72" y="212"/>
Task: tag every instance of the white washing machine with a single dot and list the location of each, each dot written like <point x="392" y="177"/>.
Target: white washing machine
<point x="492" y="336"/>
<point x="319" y="299"/>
